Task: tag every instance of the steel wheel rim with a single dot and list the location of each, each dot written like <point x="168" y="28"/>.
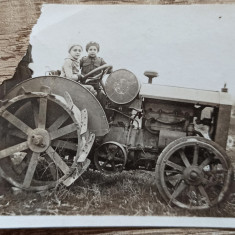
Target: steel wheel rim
<point x="50" y="151"/>
<point x="186" y="183"/>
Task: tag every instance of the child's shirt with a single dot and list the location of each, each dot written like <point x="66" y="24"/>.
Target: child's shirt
<point x="88" y="64"/>
<point x="70" y="69"/>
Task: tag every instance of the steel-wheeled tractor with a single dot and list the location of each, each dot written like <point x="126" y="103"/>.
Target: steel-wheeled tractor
<point x="52" y="129"/>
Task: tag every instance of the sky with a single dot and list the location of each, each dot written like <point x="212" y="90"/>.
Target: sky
<point x="188" y="45"/>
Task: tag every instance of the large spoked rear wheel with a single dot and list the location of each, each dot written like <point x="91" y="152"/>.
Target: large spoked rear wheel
<point x="193" y="173"/>
<point x="40" y="140"/>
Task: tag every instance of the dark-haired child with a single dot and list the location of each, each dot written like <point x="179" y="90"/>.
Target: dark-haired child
<point x="91" y="61"/>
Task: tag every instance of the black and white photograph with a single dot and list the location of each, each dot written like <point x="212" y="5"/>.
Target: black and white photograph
<point x="121" y="115"/>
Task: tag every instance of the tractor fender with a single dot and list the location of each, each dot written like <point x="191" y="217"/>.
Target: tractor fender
<point x="81" y="97"/>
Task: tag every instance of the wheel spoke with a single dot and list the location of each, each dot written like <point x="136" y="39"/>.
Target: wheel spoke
<point x="31" y="169"/>
<point x="178" y="190"/>
<point x="63" y="131"/>
<point x="105" y="163"/>
<point x="175" y="166"/>
<point x="205" y="162"/>
<point x="34" y="105"/>
<point x="58" y="122"/>
<point x="16" y="122"/>
<point x="115" y="151"/>
<point x="204" y="194"/>
<point x="64" y="144"/>
<point x="113" y="166"/>
<point x="184" y="158"/>
<point x="107" y="149"/>
<point x="192" y="188"/>
<point x="205" y="181"/>
<point x="72" y="135"/>
<point x="174" y="177"/>
<point x="20" y="168"/>
<point x="42" y="113"/>
<point x="13" y="149"/>
<point x="171" y="171"/>
<point x="57" y="160"/>
<point x="17" y="133"/>
<point x="195" y="155"/>
<point x="102" y="155"/>
<point x="118" y="159"/>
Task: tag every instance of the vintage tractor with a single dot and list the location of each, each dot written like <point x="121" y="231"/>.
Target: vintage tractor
<point x="53" y="129"/>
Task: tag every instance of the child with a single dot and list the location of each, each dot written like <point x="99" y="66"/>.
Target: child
<point x="70" y="69"/>
<point x="91" y="61"/>
<point x="71" y="66"/>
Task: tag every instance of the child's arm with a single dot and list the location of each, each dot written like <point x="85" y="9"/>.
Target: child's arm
<point x="69" y="71"/>
<point x="81" y="62"/>
<point x="81" y="75"/>
<point x="102" y="63"/>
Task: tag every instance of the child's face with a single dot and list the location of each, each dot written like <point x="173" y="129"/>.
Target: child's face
<point x="75" y="52"/>
<point x="92" y="51"/>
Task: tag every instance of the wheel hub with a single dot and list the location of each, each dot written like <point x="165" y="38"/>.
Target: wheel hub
<point x="110" y="157"/>
<point x="38" y="140"/>
<point x="193" y="175"/>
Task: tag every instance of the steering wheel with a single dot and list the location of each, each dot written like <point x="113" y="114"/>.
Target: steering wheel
<point x="104" y="70"/>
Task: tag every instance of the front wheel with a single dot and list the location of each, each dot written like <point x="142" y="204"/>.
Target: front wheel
<point x="110" y="158"/>
<point x="193" y="173"/>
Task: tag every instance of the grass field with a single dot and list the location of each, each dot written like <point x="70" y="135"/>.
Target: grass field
<point x="129" y="193"/>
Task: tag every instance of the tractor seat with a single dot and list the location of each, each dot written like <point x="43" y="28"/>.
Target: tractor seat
<point x="150" y="75"/>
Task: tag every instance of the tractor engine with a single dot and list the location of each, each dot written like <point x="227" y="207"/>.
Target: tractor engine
<point x="168" y="120"/>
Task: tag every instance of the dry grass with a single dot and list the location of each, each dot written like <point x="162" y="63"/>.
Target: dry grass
<point x="130" y="193"/>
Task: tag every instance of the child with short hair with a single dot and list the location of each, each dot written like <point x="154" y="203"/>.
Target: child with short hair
<point x="71" y="67"/>
<point x="91" y="61"/>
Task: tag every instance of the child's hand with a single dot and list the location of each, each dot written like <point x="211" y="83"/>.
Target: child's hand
<point x="80" y="77"/>
<point x="110" y="71"/>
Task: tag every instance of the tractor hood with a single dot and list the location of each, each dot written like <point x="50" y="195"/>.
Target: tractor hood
<point x="186" y="95"/>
